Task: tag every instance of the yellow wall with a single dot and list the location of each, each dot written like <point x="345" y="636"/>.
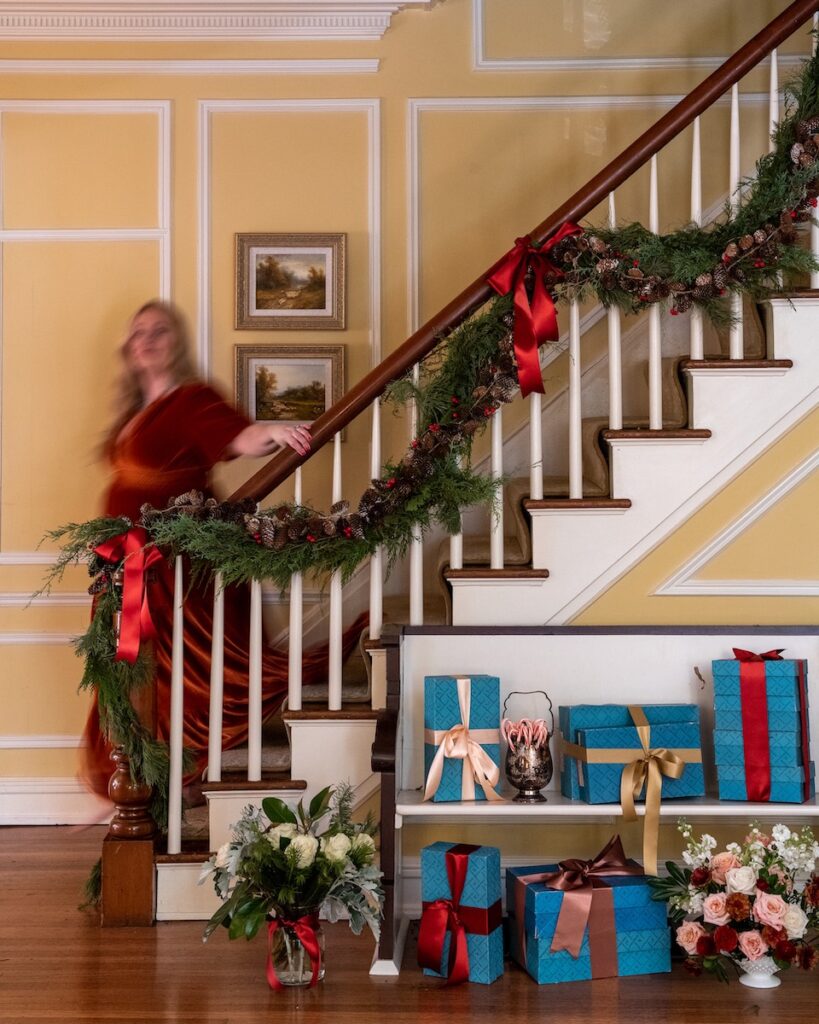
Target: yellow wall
<point x="460" y="177"/>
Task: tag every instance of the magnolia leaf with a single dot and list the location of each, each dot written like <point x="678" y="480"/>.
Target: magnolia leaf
<point x="277" y="811"/>
<point x="320" y="803"/>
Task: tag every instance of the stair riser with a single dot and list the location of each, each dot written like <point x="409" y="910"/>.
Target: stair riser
<point x="329" y="751"/>
<point x="224" y="809"/>
<point x="488" y="602"/>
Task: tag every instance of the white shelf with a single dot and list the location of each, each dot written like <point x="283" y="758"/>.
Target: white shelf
<point x="411" y="806"/>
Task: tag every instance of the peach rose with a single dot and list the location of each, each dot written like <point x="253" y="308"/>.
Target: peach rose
<point x="752" y="945"/>
<point x="769" y="909"/>
<point x="688" y="934"/>
<point x="714" y="910"/>
<point x="720" y="863"/>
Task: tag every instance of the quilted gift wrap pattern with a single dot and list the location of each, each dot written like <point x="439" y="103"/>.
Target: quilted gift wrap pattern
<point x="473" y="770"/>
<point x="639" y="944"/>
<point x="761" y="738"/>
<point x="478" y="908"/>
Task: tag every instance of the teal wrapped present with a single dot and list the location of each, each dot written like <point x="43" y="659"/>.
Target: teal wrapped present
<point x="461" y="737"/>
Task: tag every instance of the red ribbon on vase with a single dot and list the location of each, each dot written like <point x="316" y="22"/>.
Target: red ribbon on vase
<point x="136" y="624"/>
<point x="587" y="903"/>
<point x="755" y="733"/>
<point x="447" y="915"/>
<point x="305" y="929"/>
<point x="535" y="323"/>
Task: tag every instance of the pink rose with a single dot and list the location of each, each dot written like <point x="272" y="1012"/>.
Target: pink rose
<point x="752" y="945"/>
<point x="769" y="909"/>
<point x="688" y="934"/>
<point x="720" y="863"/>
<point x="713" y="908"/>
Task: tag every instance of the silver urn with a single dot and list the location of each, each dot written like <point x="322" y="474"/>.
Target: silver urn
<point x="528" y="762"/>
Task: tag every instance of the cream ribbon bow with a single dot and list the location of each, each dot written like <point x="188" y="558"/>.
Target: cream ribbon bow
<point x="460" y="744"/>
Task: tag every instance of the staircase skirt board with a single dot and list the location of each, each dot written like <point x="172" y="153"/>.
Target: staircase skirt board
<point x="179" y="897"/>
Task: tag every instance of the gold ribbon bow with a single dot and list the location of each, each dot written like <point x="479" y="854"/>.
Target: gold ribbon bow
<point x="464" y="745"/>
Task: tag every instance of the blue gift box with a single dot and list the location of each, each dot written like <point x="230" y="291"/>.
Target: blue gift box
<point x="610" y="726"/>
<point x="781" y="680"/>
<point x="787" y="784"/>
<point x="779" y="720"/>
<point x="482" y="889"/>
<point x="642" y="936"/>
<point x="785" y="748"/>
<point x="442" y="711"/>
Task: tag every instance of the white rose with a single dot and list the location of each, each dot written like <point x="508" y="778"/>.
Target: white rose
<point x="365" y="845"/>
<point x="284" y="831"/>
<point x="305" y="848"/>
<point x="740" y="880"/>
<point x="222" y="856"/>
<point x="336" y="848"/>
<point x="795" y="921"/>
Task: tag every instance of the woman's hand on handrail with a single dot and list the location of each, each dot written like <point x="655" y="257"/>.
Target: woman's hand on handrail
<point x="266" y="438"/>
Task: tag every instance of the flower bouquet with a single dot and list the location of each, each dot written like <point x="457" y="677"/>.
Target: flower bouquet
<point x="753" y="906"/>
<point x="279" y="871"/>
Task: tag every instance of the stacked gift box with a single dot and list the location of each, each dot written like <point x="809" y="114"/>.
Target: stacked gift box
<point x="761" y="739"/>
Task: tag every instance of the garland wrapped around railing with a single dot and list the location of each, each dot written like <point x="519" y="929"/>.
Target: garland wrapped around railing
<point x="472" y="372"/>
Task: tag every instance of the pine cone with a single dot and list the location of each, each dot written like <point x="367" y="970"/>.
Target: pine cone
<point x="357" y="526"/>
<point x="296" y="530"/>
<point x="582" y="243"/>
<point x="609" y="282"/>
<point x="281" y="538"/>
<point x="746" y="242"/>
<point x="329" y="527"/>
<point x="677" y="286"/>
<point x="683" y="303"/>
<point x="759" y="236"/>
<point x="731" y="251"/>
<point x="635" y="273"/>
<point x="797" y="149"/>
<point x="267" y="532"/>
<point x="807" y="128"/>
<point x="719" y="276"/>
<point x="806" y="160"/>
<point x="597" y="244"/>
<point x="252" y="525"/>
<point x="607" y="265"/>
<point x="339" y="508"/>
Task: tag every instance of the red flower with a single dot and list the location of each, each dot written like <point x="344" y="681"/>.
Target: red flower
<point x="785" y="951"/>
<point x="705" y="945"/>
<point x="348" y="532"/>
<point x="434" y="427"/>
<point x="311" y="538"/>
<point x="693" y="967"/>
<point x="812" y="892"/>
<point x="773" y="936"/>
<point x="762" y="885"/>
<point x="725" y="938"/>
<point x="391" y="482"/>
<point x="700" y="876"/>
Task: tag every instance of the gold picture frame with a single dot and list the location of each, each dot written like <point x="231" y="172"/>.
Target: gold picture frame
<point x="290" y="281"/>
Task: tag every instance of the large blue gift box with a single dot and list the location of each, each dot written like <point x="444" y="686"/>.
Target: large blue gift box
<point x="445" y="699"/>
<point x="603" y="727"/>
<point x="641" y="939"/>
<point x="479" y="907"/>
<point x="762" y="749"/>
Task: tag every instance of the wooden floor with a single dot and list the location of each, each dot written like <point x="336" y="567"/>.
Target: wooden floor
<point x="57" y="964"/>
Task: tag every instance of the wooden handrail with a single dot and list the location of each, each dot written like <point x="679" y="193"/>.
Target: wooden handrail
<point x="360" y="397"/>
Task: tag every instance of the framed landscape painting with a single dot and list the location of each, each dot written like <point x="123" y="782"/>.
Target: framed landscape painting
<point x="290" y="281"/>
<point x="288" y="383"/>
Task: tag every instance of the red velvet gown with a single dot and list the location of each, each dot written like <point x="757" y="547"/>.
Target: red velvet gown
<point x="169" y="448"/>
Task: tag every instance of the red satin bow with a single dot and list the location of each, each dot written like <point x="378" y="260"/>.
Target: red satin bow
<point x="535" y="323"/>
<point x="742" y="655"/>
<point x="305" y="929"/>
<point x="135" y="623"/>
<point x="441" y="916"/>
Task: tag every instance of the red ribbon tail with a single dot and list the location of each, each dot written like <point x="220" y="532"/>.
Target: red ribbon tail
<point x="431" y="935"/>
<point x="272" y="980"/>
<point x="458" y="970"/>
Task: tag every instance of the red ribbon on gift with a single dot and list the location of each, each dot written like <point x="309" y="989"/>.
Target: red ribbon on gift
<point x="447" y="915"/>
<point x="755" y="734"/>
<point x="587" y="903"/>
<point x="535" y="323"/>
<point x="305" y="929"/>
<point x="136" y="624"/>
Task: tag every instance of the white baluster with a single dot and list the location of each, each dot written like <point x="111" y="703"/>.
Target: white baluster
<point x="773" y="100"/>
<point x="735" y="338"/>
<point x="177" y="713"/>
<point x="496" y="521"/>
<point x="254" y="686"/>
<point x="814" y="230"/>
<point x="655" y="341"/>
<point x="615" y="356"/>
<point x="416" y="554"/>
<point x="456" y="543"/>
<point x="535" y="446"/>
<point x="296" y="630"/>
<point x="217" y="682"/>
<point x="376" y="561"/>
<point x="575" y="420"/>
<point x="697" y="349"/>
<point x="336" y="630"/>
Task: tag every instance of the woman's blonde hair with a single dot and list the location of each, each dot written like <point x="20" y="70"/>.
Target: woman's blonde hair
<point x="128" y="398"/>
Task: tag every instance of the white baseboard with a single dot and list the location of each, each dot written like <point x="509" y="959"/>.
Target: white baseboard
<point x="58" y="800"/>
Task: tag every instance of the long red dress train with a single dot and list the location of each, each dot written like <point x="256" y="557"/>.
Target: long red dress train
<point x="169" y="448"/>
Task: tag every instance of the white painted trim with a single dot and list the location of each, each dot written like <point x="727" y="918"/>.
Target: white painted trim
<point x="50" y="801"/>
<point x="35" y="639"/>
<point x="372" y="109"/>
<point x="16" y="599"/>
<point x="26" y="557"/>
<point x="44" y="741"/>
<point x="684" y="581"/>
<point x="201" y="19"/>
<point x="82" y="235"/>
<point x="343" y="66"/>
<point x="480" y="62"/>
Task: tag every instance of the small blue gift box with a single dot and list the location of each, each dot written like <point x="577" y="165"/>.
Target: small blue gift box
<point x="447" y="700"/>
<point x="605" y="727"/>
<point x="787" y="784"/>
<point x="478" y="909"/>
<point x="785" y="748"/>
<point x="640" y="942"/>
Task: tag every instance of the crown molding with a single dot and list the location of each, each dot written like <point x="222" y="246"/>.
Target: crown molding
<point x="201" y="19"/>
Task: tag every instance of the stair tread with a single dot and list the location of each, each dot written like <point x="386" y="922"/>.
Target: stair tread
<point x="660" y="435"/>
<point x="270" y="781"/>
<point x="484" y="572"/>
<point x="567" y="503"/>
<point x="351" y="713"/>
<point x="734" y="364"/>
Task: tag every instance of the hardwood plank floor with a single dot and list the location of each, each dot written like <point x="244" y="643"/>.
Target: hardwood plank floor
<point x="56" y="964"/>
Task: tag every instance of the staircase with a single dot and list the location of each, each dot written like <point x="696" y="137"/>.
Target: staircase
<point x="627" y="481"/>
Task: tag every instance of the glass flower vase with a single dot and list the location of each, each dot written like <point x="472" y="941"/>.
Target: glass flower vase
<point x="759" y="973"/>
<point x="290" y="960"/>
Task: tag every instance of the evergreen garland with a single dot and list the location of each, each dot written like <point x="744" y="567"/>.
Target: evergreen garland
<point x="462" y="383"/>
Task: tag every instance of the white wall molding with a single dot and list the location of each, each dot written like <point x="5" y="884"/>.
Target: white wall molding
<point x="44" y="741"/>
<point x="684" y="581"/>
<point x="480" y="62"/>
<point x="343" y="66"/>
<point x="27" y="557"/>
<point x="16" y="599"/>
<point x="50" y="801"/>
<point x="201" y="19"/>
<point x="35" y="639"/>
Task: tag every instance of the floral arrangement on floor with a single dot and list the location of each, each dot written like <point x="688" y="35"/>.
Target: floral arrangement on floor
<point x="280" y="871"/>
<point x="754" y="900"/>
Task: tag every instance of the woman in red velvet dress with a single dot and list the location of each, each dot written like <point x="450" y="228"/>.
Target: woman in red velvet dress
<point x="172" y="428"/>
